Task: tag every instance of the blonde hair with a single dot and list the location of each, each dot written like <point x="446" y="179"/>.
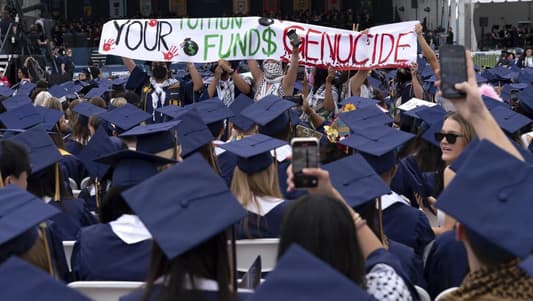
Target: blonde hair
<point x="41" y="98"/>
<point x="247" y="187"/>
<point x="468" y="129"/>
<point x="38" y="254"/>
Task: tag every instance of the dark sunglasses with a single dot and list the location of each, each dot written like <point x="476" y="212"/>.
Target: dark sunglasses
<point x="451" y="138"/>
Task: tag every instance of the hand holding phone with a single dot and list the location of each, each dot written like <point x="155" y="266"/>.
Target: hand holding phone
<point x="305" y="154"/>
<point x="294" y="38"/>
<point x="452" y="70"/>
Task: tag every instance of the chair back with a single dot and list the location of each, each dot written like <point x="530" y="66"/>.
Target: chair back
<point x="105" y="290"/>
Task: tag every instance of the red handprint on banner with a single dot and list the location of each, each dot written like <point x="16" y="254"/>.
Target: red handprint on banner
<point x="170" y="54"/>
<point x="152" y="22"/>
<point x="108" y="43"/>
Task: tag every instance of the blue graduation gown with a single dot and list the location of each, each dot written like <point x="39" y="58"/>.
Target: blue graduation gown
<point x="282" y="175"/>
<point x="57" y="253"/>
<point x="409" y="180"/>
<point x="411" y="263"/>
<point x="74" y="215"/>
<point x="154" y="294"/>
<point x="73" y="168"/>
<point x="100" y="255"/>
<point x="73" y="147"/>
<point x="392" y="260"/>
<point x="267" y="226"/>
<point x="408" y="225"/>
<point x="446" y="265"/>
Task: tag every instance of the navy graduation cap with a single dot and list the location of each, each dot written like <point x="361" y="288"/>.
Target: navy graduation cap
<point x="125" y="117"/>
<point x="24" y="282"/>
<point x="96" y="92"/>
<point x="509" y="120"/>
<point x="22" y="117"/>
<point x="355" y="180"/>
<point x="365" y="117"/>
<point x="85" y="110"/>
<point x="172" y="111"/>
<point x="156" y="137"/>
<point x="526" y="100"/>
<point x="359" y="102"/>
<point x="19" y="212"/>
<point x="270" y="113"/>
<point x="491" y="103"/>
<point x="98" y="146"/>
<point x="175" y="214"/>
<point x="50" y="118"/>
<point x="192" y="133"/>
<point x="527" y="265"/>
<point x="132" y="167"/>
<point x="58" y="91"/>
<point x="240" y="103"/>
<point x="41" y="148"/>
<point x="14" y="102"/>
<point x="26" y="89"/>
<point x="6" y="91"/>
<point x="429" y="133"/>
<point x="378" y="145"/>
<point x="212" y="110"/>
<point x="505" y="196"/>
<point x="253" y="152"/>
<point x="299" y="275"/>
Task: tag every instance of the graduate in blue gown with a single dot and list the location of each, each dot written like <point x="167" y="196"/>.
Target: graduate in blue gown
<point x="80" y="126"/>
<point x="190" y="260"/>
<point x="47" y="182"/>
<point x="401" y="221"/>
<point x="119" y="247"/>
<point x="255" y="186"/>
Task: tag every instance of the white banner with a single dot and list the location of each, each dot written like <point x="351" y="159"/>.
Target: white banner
<point x="210" y="39"/>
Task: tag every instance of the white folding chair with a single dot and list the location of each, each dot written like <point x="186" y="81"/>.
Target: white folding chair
<point x="73" y="184"/>
<point x="424" y="296"/>
<point x="248" y="249"/>
<point x="84" y="183"/>
<point x="68" y="245"/>
<point x="445" y="292"/>
<point x="76" y="193"/>
<point x="105" y="290"/>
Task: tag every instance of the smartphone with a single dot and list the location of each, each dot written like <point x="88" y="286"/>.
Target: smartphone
<point x="293" y="37"/>
<point x="297" y="99"/>
<point x="305" y="154"/>
<point x="300" y="74"/>
<point x="452" y="69"/>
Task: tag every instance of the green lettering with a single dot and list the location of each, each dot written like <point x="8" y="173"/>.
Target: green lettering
<point x="238" y="22"/>
<point x="189" y="24"/>
<point x="255" y="32"/>
<point x="221" y="44"/>
<point x="225" y="26"/>
<point x="208" y="45"/>
<point x="240" y="43"/>
<point x="271" y="46"/>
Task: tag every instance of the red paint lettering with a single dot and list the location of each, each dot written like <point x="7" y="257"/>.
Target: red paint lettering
<point x="391" y="38"/>
<point x="354" y="54"/>
<point x="312" y="42"/>
<point x="396" y="59"/>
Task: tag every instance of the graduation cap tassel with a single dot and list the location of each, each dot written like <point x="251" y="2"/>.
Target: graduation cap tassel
<point x="97" y="192"/>
<point x="1" y="181"/>
<point x="380" y="221"/>
<point x="57" y="195"/>
<point x="234" y="260"/>
<point x="51" y="269"/>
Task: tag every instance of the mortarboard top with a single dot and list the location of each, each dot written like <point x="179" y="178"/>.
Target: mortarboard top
<point x="87" y="109"/>
<point x="526" y="100"/>
<point x="6" y="91"/>
<point x="125" y="117"/>
<point x="172" y="111"/>
<point x="26" y="89"/>
<point x="299" y="275"/>
<point x="378" y="145"/>
<point x="253" y="152"/>
<point x="356" y="180"/>
<point x="173" y="213"/>
<point x="525" y="76"/>
<point x="509" y="120"/>
<point x="507" y="188"/>
<point x="23" y="281"/>
<point x="212" y="110"/>
<point x="480" y="79"/>
<point x="378" y="84"/>
<point x="132" y="167"/>
<point x="270" y="113"/>
<point x="365" y="117"/>
<point x="154" y="138"/>
<point x="14" y="102"/>
<point x="413" y="113"/>
<point x="491" y="103"/>
<point x="415" y="102"/>
<point x="240" y="122"/>
<point x="431" y="115"/>
<point x="98" y="146"/>
<point x="50" y="117"/>
<point x="96" y="92"/>
<point x="19" y="212"/>
<point x="118" y="83"/>
<point x="192" y="133"/>
<point x="22" y="117"/>
<point x="527" y="265"/>
<point x="359" y="102"/>
<point x="429" y="134"/>
<point x="58" y="91"/>
<point x="41" y="148"/>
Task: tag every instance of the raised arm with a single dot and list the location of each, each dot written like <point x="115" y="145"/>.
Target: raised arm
<point x="197" y="82"/>
<point x="357" y="80"/>
<point x="417" y="87"/>
<point x="426" y="49"/>
<point x="129" y="63"/>
<point x="290" y="78"/>
<point x="257" y="73"/>
<point x="329" y="102"/>
<point x="239" y="82"/>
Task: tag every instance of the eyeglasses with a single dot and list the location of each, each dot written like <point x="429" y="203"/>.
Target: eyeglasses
<point x="451" y="138"/>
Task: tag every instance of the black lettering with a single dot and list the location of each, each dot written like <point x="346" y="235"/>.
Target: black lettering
<point x="119" y="29"/>
<point x="128" y="35"/>
<point x="163" y="35"/>
<point x="146" y="35"/>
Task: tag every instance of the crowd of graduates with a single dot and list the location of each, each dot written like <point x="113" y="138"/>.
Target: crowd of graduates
<point x="154" y="174"/>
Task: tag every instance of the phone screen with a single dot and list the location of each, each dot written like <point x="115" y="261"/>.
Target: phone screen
<point x="453" y="69"/>
<point x="304" y="155"/>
